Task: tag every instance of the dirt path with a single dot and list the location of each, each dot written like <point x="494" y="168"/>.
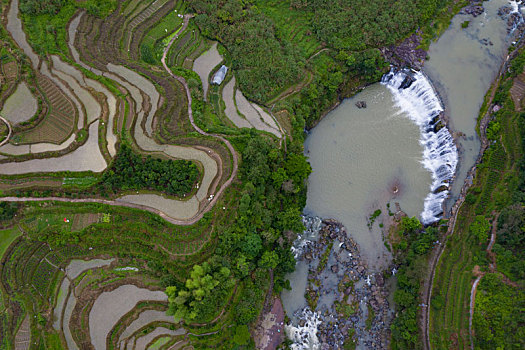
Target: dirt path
<point x="436" y="255"/>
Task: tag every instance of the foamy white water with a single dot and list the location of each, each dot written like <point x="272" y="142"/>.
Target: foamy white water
<point x="305" y="337"/>
<point x="516" y="8"/>
<point x="415" y="96"/>
<point x="312" y="227"/>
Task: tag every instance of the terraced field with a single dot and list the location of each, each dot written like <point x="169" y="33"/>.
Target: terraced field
<point x="67" y="283"/>
<point x="88" y="271"/>
<point x="295" y="25"/>
<point x="187" y="48"/>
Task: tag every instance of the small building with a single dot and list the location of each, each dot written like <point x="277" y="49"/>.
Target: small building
<point x="219" y="76"/>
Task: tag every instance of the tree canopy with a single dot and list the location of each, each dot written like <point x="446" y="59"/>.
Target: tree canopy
<point x="129" y="171"/>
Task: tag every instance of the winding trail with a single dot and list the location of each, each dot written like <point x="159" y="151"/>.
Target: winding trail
<point x="429" y="281"/>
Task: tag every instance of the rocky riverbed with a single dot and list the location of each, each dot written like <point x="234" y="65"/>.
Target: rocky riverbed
<point x="346" y="303"/>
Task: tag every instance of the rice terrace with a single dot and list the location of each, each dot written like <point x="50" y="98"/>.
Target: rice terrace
<point x="160" y="178"/>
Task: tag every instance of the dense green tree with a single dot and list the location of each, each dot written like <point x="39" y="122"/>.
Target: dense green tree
<point x="499" y="319"/>
<point x="38" y="7"/>
<point x="187" y="303"/>
<point x="8" y="210"/>
<point x="269" y="259"/>
<point x="263" y="63"/>
<point x="410" y="225"/>
<point x="129" y="171"/>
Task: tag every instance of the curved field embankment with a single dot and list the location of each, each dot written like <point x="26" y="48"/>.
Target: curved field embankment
<point x="9" y="131"/>
<point x="143" y="341"/>
<point x="245" y="114"/>
<point x="85" y="158"/>
<point x="145" y="318"/>
<point x="239" y="110"/>
<point x="146" y="102"/>
<point x="64" y="102"/>
<point x="231" y="110"/>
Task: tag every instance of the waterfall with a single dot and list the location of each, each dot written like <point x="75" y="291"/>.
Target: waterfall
<point x="416" y="97"/>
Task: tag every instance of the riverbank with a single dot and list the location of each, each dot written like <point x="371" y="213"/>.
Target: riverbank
<point x="347" y="304"/>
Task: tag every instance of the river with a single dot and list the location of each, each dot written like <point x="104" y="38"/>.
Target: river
<point x="390" y="155"/>
<point x="462" y="65"/>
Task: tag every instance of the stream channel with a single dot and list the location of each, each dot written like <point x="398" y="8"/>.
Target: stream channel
<point x="389" y="156"/>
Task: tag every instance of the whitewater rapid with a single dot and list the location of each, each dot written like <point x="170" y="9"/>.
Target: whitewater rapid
<point x="414" y="95"/>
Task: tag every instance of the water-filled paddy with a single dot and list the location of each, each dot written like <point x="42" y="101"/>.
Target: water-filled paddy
<point x="85" y="158"/>
<point x="20" y="106"/>
<point x="205" y="63"/>
<point x="231" y="109"/>
<point x="111" y="306"/>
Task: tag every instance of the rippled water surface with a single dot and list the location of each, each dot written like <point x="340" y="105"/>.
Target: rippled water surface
<point x="463" y="63"/>
<point x="360" y="158"/>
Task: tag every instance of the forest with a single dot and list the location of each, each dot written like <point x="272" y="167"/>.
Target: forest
<point x="267" y="58"/>
<point x="256" y="240"/>
<point x="130" y="171"/>
<point x="356" y="25"/>
<point x="263" y="63"/>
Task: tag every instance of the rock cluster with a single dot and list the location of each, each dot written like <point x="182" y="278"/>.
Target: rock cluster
<point x="515" y="20"/>
<point x="343" y="292"/>
<point x="473" y="9"/>
<point x="360" y="104"/>
<point x="406" y="54"/>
